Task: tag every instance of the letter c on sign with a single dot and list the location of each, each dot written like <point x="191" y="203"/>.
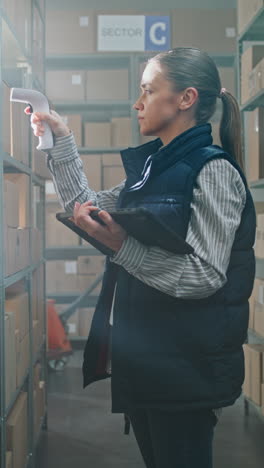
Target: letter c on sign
<point x="153" y="31"/>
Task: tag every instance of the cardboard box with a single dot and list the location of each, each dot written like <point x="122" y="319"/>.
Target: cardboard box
<point x="37" y="336"/>
<point x="65" y="85"/>
<point x="19" y="306"/>
<point x="11" y="203"/>
<point x="36" y="245"/>
<point x="255" y="144"/>
<point x="121" y="132"/>
<point x="20" y="136"/>
<point x="10" y="357"/>
<point x="111" y="159"/>
<point x="247" y="380"/>
<point x="112" y="176"/>
<point x="249" y="60"/>
<point x="85" y="320"/>
<point x="193" y="27"/>
<point x="6" y="118"/>
<point x="89" y="270"/>
<point x="256" y="361"/>
<point x="113" y="170"/>
<point x="38" y="300"/>
<point x="61" y="276"/>
<point x="259" y="244"/>
<point x="17" y="431"/>
<point x="97" y="134"/>
<point x="246" y="10"/>
<point x="16" y="249"/>
<point x="253" y="372"/>
<point x="91" y="265"/>
<point x="70" y="32"/>
<point x="22" y="183"/>
<point x="57" y="234"/>
<point x="22" y="358"/>
<point x="256" y="79"/>
<point x="74" y="122"/>
<point x="9" y="460"/>
<point x="92" y="167"/>
<point x="107" y="84"/>
<point x="257" y="304"/>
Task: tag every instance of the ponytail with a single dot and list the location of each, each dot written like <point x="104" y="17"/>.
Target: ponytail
<point x="230" y="127"/>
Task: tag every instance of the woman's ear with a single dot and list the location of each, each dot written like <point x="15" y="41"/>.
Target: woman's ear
<point x="188" y="98"/>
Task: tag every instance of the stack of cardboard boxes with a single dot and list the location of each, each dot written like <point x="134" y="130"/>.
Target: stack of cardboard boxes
<point x="252" y="72"/>
<point x="74" y="275"/>
<point x="19" y="15"/>
<point x="17" y="222"/>
<point x="246" y="12"/>
<point x="254" y="373"/>
<point x="38" y="308"/>
<point x="18" y="305"/>
<point x="256" y="321"/>
<point x="90" y="85"/>
<point x="17" y="432"/>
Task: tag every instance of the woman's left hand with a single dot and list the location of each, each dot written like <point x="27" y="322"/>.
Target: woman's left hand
<point x="112" y="234"/>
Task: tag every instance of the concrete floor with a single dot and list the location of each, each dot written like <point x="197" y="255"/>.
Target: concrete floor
<point x="83" y="433"/>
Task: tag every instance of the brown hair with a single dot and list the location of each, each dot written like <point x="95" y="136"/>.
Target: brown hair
<point x="191" y="67"/>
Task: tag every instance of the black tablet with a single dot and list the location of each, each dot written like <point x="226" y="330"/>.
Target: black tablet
<point x="139" y="223"/>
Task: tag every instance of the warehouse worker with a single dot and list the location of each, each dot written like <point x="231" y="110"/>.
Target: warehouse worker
<point x="179" y="321"/>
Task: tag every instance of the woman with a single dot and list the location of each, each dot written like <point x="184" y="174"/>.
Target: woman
<point x="179" y="321"/>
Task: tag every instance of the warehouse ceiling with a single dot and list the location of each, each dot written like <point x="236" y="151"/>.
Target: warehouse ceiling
<point x="139" y="4"/>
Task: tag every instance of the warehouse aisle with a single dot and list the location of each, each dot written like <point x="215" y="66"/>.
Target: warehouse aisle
<point x="83" y="433"/>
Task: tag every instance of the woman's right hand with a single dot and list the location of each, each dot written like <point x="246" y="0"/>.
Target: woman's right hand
<point x="54" y="120"/>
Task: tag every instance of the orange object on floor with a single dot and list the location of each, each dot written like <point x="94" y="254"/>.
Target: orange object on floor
<point x="57" y="338"/>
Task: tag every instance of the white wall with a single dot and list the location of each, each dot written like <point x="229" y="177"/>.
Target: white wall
<point x="139" y="4"/>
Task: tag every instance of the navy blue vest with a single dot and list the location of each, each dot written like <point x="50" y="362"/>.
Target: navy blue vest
<point x="168" y="352"/>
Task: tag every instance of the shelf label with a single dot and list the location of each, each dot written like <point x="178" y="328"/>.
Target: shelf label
<point x="76" y="79"/>
<point x="72" y="328"/>
<point x="84" y="21"/>
<point x="133" y="33"/>
<point x="230" y="32"/>
<point x="71" y="268"/>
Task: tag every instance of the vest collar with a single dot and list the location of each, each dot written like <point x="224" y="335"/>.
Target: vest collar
<point x="162" y="157"/>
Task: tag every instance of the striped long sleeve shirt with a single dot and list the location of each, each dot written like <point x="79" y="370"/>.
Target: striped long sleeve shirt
<point x="218" y="201"/>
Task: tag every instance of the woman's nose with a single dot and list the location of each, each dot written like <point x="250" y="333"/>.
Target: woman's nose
<point x="138" y="105"/>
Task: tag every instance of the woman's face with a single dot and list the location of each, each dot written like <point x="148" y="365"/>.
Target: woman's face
<point x="157" y="105"/>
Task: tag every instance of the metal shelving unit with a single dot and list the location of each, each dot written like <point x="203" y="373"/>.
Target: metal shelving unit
<point x="16" y="57"/>
<point x="254" y="33"/>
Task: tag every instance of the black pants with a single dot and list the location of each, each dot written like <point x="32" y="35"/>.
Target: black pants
<point x="174" y="439"/>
